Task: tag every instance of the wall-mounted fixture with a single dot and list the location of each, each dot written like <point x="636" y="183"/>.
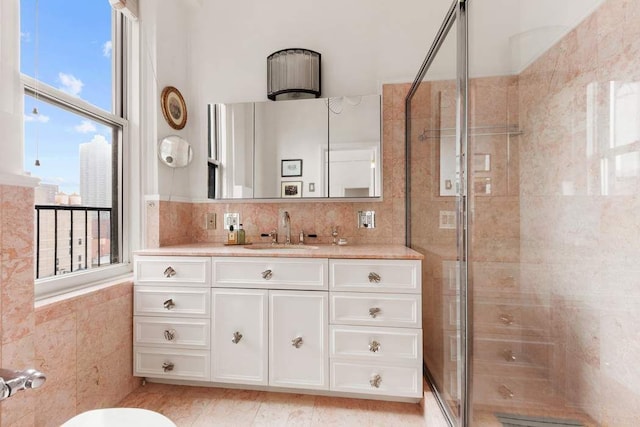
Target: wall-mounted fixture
<point x="293" y="74"/>
<point x="175" y="152"/>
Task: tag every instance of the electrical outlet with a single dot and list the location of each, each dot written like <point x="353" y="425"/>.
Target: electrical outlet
<point x="366" y="219"/>
<point x="211" y="221"/>
<point x="448" y="219"/>
<point x="231" y="219"/>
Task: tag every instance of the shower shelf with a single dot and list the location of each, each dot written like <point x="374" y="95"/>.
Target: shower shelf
<point x="473" y="131"/>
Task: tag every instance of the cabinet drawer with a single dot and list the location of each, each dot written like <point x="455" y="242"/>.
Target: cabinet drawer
<point x="375" y="309"/>
<point x="169" y="271"/>
<point x="171" y="332"/>
<point x="171" y="302"/>
<point x="375" y="275"/>
<point x="399" y="346"/>
<point x="270" y="273"/>
<point x="364" y="377"/>
<point x="174" y="364"/>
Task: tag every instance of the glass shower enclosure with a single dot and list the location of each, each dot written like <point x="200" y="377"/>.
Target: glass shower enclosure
<point x="523" y="194"/>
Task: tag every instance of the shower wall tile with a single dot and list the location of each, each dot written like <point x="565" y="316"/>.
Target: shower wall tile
<point x="578" y="230"/>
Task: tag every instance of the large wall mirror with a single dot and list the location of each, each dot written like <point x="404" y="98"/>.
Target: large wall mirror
<point x="312" y="148"/>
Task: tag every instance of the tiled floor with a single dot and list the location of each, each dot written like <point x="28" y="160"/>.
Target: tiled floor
<point x="202" y="406"/>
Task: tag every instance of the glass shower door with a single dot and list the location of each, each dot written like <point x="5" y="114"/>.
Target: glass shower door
<point x="433" y="198"/>
<point x="554" y="196"/>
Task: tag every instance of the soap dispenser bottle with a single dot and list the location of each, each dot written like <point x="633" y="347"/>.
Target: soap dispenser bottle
<point x="241" y="236"/>
<point x="232" y="236"/>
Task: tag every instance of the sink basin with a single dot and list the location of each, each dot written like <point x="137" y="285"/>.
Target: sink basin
<point x="280" y="246"/>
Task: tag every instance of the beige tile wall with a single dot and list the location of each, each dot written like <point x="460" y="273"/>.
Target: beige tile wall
<point x="579" y="245"/>
<point x="83" y="345"/>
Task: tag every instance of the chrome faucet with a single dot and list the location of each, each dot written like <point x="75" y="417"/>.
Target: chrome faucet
<point x="14" y="381"/>
<point x="286" y="223"/>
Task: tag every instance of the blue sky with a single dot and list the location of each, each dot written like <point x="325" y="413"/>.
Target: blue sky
<point x="74" y="55"/>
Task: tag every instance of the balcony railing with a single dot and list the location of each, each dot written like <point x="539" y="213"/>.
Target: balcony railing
<point x="89" y="233"/>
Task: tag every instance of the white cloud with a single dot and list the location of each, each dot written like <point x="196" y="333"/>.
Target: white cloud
<point x="97" y="138"/>
<point x="41" y="118"/>
<point x="25" y="37"/>
<point x="106" y="49"/>
<point x="70" y="84"/>
<point x="85" y="127"/>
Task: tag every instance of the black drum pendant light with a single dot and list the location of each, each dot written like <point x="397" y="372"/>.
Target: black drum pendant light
<point x="293" y="74"/>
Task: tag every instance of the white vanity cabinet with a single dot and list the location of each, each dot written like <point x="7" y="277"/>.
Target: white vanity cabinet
<point x="270" y="322"/>
<point x="343" y="326"/>
<point x="172" y="318"/>
<point x="375" y="327"/>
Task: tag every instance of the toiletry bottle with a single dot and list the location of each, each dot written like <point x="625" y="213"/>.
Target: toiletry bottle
<point x="241" y="239"/>
<point x="232" y="236"/>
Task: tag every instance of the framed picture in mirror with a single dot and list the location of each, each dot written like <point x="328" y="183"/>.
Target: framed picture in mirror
<point x="290" y="167"/>
<point x="290" y="189"/>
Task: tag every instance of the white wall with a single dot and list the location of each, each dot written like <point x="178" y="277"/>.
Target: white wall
<point x="364" y="43"/>
<point x="164" y="43"/>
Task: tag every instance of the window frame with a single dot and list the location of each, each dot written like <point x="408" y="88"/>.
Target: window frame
<point x="117" y="120"/>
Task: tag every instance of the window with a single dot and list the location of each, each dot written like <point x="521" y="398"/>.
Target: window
<point x="73" y="70"/>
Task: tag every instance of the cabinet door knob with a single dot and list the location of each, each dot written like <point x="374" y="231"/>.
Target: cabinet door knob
<point x="169" y="334"/>
<point x="169" y="304"/>
<point x="374" y="277"/>
<point x="507" y="319"/>
<point x="509" y="355"/>
<point x="169" y="272"/>
<point x="374" y="346"/>
<point x="167" y="366"/>
<point x="237" y="336"/>
<point x="505" y="392"/>
<point x="296" y="342"/>
<point x="374" y="311"/>
<point x="375" y="381"/>
<point x="267" y="274"/>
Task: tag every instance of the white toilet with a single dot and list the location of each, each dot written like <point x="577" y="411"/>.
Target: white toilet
<point x="119" y="417"/>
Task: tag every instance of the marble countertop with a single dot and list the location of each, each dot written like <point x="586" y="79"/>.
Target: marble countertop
<point x="293" y="251"/>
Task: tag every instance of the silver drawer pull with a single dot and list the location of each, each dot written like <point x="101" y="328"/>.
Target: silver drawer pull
<point x="267" y="274"/>
<point x="169" y="272"/>
<point x="374" y="311"/>
<point x="375" y="381"/>
<point x="374" y="346"/>
<point x="169" y="334"/>
<point x="507" y="319"/>
<point x="509" y="355"/>
<point x="237" y="336"/>
<point x="167" y="366"/>
<point x="169" y="304"/>
<point x="505" y="392"/>
<point x="374" y="277"/>
<point x="296" y="342"/>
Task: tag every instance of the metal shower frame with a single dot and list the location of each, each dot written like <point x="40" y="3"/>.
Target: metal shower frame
<point x="457" y="14"/>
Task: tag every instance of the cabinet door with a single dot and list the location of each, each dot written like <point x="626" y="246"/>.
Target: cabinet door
<point x="239" y="336"/>
<point x="298" y="346"/>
